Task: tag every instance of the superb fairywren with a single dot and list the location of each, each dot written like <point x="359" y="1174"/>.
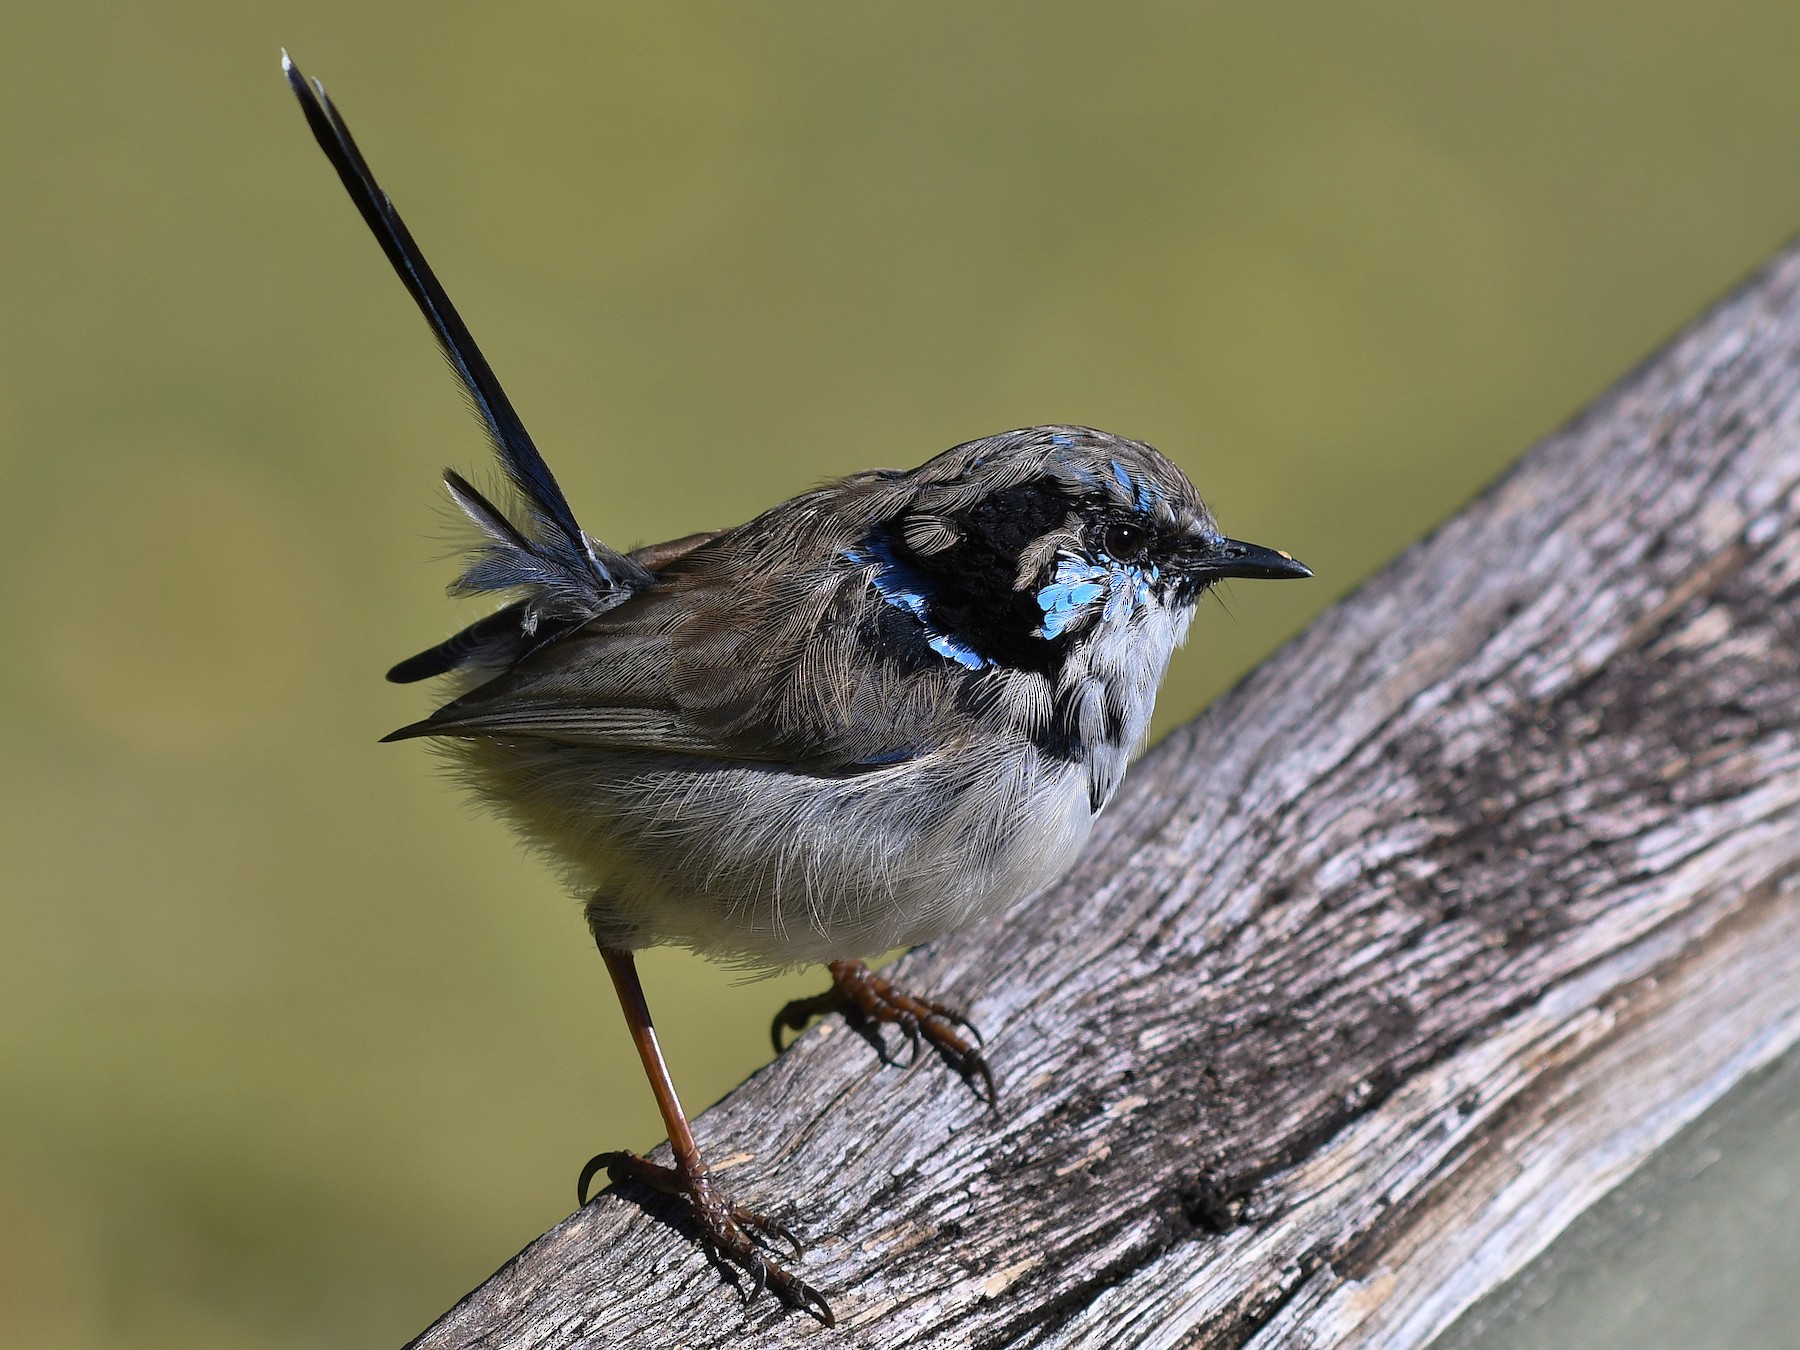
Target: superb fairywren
<point x="876" y="713"/>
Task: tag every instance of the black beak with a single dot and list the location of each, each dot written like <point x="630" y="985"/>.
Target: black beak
<point x="1222" y="558"/>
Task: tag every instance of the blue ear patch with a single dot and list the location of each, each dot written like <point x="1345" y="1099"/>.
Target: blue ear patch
<point x="905" y="588"/>
<point x="1080" y="583"/>
<point x="1077" y="585"/>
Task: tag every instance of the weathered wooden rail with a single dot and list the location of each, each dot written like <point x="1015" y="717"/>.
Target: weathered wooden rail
<point x="1376" y="974"/>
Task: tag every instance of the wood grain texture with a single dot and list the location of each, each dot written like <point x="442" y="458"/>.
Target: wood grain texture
<point x="1374" y="976"/>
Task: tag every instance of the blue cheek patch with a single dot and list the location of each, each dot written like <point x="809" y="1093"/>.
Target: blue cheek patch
<point x="1080" y="584"/>
<point x="1077" y="585"/>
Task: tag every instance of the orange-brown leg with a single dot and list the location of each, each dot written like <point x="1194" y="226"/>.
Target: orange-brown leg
<point x="869" y="1002"/>
<point x="727" y="1230"/>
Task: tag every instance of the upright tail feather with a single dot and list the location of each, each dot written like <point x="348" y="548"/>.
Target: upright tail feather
<point x="563" y="571"/>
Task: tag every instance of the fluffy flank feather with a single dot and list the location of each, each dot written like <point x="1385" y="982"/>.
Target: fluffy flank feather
<point x="558" y="583"/>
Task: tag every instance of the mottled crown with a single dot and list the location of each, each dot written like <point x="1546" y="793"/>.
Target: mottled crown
<point x="1093" y="466"/>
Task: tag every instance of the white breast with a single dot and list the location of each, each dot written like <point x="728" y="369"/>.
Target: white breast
<point x="1111" y="684"/>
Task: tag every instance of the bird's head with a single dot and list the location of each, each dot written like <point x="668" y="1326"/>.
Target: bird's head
<point x="1018" y="549"/>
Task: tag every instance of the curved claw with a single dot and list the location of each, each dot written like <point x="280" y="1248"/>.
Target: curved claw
<point x="955" y="1016"/>
<point x="799" y="1294"/>
<point x="871" y="1030"/>
<point x="974" y="1065"/>
<point x="909" y="1027"/>
<point x="952" y="1015"/>
<point x="794" y="1292"/>
<point x="796" y="1014"/>
<point x="595" y="1165"/>
<point x="769" y="1228"/>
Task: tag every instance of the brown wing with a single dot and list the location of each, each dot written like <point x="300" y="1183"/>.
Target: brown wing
<point x="726" y="656"/>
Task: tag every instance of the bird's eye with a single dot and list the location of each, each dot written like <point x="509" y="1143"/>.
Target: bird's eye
<point x="1124" y="542"/>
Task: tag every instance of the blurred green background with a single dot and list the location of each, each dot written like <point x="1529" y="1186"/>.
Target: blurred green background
<point x="294" y="1046"/>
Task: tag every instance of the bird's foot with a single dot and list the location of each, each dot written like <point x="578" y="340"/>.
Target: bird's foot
<point x="869" y="1002"/>
<point x="731" y="1234"/>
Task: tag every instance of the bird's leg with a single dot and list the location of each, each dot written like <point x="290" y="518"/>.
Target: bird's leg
<point x="728" y="1231"/>
<point x="870" y="1001"/>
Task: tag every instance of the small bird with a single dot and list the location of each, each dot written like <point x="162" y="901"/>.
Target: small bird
<point x="877" y="713"/>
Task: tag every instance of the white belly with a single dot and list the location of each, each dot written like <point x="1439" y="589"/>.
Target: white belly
<point x="777" y="868"/>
